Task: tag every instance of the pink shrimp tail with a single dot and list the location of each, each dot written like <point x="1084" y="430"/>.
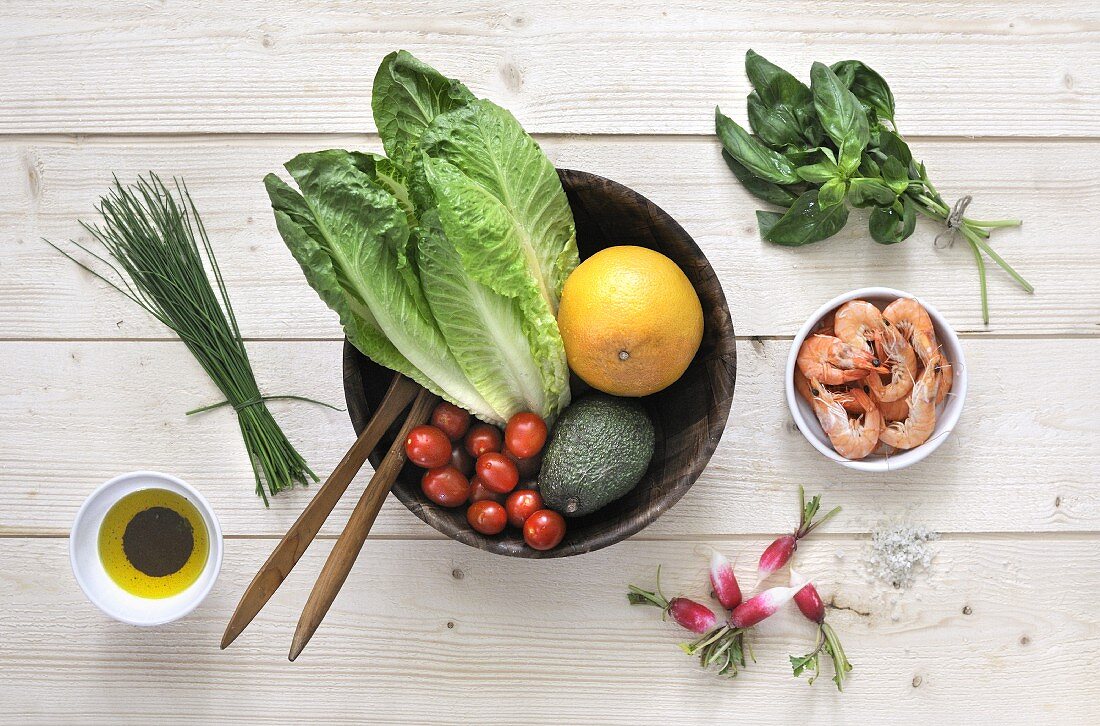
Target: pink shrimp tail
<point x="762" y="606"/>
<point x="776" y="555"/>
<point x="696" y="617"/>
<point x="724" y="582"/>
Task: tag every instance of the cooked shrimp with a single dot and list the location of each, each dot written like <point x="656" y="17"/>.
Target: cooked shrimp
<point x="832" y="361"/>
<point x="893" y="410"/>
<point x="825" y="325"/>
<point x="802" y="385"/>
<point x="918" y="425"/>
<point x="899" y="357"/>
<point x="852" y="439"/>
<point x="912" y="320"/>
<point x="843" y="396"/>
<point x="947" y="377"/>
<point x="857" y="322"/>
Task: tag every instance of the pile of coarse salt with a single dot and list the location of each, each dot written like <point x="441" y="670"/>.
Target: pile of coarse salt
<point x="897" y="552"/>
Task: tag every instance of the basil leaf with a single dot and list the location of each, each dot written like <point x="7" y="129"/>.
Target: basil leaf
<point x="811" y="126"/>
<point x="759" y="188"/>
<point x="891" y="144"/>
<point x="845" y="71"/>
<point x="763" y="162"/>
<point x="868" y="86"/>
<point x="832" y="192"/>
<point x="840" y="113"/>
<point x="775" y="85"/>
<point x="776" y="88"/>
<point x="819" y="173"/>
<point x="777" y="125"/>
<point x="895" y="174"/>
<point x="863" y="192"/>
<point x="802" y="157"/>
<point x="908" y="217"/>
<point x="889" y="226"/>
<point x="806" y="221"/>
<point x="869" y="167"/>
<point x="766" y="220"/>
<point x="850" y="156"/>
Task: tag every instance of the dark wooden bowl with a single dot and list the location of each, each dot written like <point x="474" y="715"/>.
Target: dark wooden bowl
<point x="689" y="415"/>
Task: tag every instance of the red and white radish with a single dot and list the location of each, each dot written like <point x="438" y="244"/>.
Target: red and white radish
<point x="810" y="605"/>
<point x="776" y="555"/>
<point x="808" y="600"/>
<point x="687" y="613"/>
<point x="724" y="581"/>
<point x="779" y="552"/>
<point x="694" y="616"/>
<point x="762" y="606"/>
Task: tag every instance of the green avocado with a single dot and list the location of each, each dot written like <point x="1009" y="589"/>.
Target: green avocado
<point x="598" y="451"/>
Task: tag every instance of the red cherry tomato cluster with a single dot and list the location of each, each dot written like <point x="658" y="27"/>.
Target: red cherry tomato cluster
<point x="477" y="465"/>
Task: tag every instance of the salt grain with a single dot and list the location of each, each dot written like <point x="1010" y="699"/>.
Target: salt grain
<point x="898" y="552"/>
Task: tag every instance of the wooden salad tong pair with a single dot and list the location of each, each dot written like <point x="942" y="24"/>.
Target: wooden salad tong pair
<point x="293" y="545"/>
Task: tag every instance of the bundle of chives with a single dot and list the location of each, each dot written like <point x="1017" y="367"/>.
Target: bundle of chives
<point x="152" y="237"/>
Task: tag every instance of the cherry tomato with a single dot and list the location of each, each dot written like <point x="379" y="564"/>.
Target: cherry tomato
<point x="521" y="504"/>
<point x="525" y="435"/>
<point x="461" y="459"/>
<point x="544" y="529"/>
<point x="428" y="447"/>
<point x="482" y="438"/>
<point x="479" y="492"/>
<point x="446" y="486"/>
<point x="528" y="468"/>
<point x="487" y="517"/>
<point x="451" y="420"/>
<point x="497" y="471"/>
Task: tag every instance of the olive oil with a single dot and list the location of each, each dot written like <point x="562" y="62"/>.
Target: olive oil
<point x="153" y="543"/>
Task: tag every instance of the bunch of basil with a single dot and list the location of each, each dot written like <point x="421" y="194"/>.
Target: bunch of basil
<point x="815" y="150"/>
<point x="445" y="259"/>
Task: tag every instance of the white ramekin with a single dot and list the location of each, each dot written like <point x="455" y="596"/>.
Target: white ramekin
<point x="98" y="585"/>
<point x="807" y="422"/>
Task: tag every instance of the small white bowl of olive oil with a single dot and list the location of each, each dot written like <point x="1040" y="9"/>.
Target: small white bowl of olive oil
<point x="146" y="548"/>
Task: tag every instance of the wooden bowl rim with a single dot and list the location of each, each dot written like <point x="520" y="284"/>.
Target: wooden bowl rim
<point x="724" y="355"/>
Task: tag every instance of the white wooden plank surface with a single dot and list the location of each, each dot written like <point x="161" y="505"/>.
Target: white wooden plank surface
<point x="428" y="630"/>
<point x="1006" y="69"/>
<point x="47" y="184"/>
<point x="438" y="632"/>
<point x="76" y="413"/>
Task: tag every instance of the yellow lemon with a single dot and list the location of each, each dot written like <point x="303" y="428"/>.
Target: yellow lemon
<point x="630" y="320"/>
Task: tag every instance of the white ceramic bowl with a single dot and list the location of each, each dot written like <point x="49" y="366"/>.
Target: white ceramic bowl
<point x="98" y="585"/>
<point x="952" y="407"/>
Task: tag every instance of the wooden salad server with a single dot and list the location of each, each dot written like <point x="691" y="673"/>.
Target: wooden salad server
<point x="294" y="543"/>
<point x="346" y="549"/>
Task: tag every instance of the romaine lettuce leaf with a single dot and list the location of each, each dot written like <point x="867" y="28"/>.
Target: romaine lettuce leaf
<point x="501" y="203"/>
<point x="347" y="234"/>
<point x="395" y="180"/>
<point x="502" y="207"/>
<point x="486" y="331"/>
<point x="407" y="96"/>
<point x="305" y="241"/>
<point x="390" y="177"/>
